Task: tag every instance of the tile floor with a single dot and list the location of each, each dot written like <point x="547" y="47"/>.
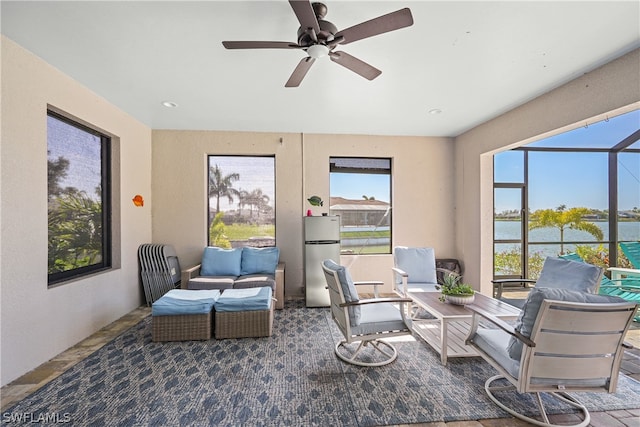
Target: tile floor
<point x="35" y="379"/>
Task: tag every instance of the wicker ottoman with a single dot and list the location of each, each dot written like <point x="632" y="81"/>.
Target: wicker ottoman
<point x="183" y="315"/>
<point x="244" y="313"/>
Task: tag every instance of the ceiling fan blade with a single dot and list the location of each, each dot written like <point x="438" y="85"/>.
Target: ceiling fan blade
<point x="355" y="65"/>
<point x="305" y="14"/>
<point x="260" y="45"/>
<point x="383" y="24"/>
<point x="300" y="71"/>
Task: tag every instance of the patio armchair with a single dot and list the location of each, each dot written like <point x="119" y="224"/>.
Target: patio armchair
<point x="564" y="341"/>
<point x="557" y="273"/>
<point x="364" y="321"/>
<point x="414" y="270"/>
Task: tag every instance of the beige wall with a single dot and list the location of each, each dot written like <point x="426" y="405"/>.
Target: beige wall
<point x="302" y="169"/>
<point x="609" y="90"/>
<point x="38" y="323"/>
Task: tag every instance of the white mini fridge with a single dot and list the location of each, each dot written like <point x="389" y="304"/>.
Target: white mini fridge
<point x="321" y="241"/>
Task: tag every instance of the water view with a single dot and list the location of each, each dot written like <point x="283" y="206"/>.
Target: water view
<point x="628" y="230"/>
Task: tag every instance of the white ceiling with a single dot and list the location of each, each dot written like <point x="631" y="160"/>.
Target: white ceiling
<point x="472" y="60"/>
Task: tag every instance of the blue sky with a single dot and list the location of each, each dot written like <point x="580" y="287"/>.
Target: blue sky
<point x="577" y="179"/>
<point x="354" y="186"/>
<point x="571" y="179"/>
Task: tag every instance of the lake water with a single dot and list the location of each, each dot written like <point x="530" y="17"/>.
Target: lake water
<point x="627" y="231"/>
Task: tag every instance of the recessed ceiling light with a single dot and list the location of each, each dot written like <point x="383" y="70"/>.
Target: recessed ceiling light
<point x="169" y="104"/>
<point x="435" y="111"/>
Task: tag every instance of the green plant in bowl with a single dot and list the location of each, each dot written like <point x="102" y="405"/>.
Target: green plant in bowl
<point x="452" y="285"/>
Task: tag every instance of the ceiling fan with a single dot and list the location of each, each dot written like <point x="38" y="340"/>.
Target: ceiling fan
<point x="319" y="38"/>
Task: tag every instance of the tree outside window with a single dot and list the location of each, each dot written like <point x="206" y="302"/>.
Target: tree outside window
<point x="78" y="203"/>
<point x="241" y="195"/>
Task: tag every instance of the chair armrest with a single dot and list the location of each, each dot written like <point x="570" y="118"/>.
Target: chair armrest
<point x="374" y="283"/>
<point x="375" y="301"/>
<point x="188" y="274"/>
<point x="279" y="294"/>
<point x="404" y="280"/>
<point x="477" y="311"/>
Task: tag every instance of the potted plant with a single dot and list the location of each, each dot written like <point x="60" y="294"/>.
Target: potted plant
<point x="454" y="291"/>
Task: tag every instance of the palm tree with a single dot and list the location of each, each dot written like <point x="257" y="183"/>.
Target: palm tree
<point x="220" y="186"/>
<point x="75" y="232"/>
<point x="258" y="199"/>
<point x="561" y="218"/>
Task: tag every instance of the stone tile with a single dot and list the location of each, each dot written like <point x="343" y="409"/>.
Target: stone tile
<point x="603" y="419"/>
<point x="504" y="422"/>
<point x="463" y="424"/>
<point x="631" y="422"/>
<point x="565" y="418"/>
<point x="623" y="413"/>
<point x="47" y="371"/>
<point x="634" y="412"/>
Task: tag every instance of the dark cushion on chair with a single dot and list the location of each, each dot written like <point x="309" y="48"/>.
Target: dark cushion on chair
<point x="348" y="289"/>
<point x="255" y="281"/>
<point x="211" y="282"/>
<point x="530" y="310"/>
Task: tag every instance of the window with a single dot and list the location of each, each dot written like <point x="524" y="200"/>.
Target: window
<point x="79" y="208"/>
<point x="241" y="194"/>
<point x="572" y="192"/>
<point x="360" y="190"/>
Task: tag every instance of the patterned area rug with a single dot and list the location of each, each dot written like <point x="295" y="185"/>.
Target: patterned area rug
<point x="292" y="378"/>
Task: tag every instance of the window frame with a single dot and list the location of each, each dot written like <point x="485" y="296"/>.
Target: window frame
<point x="106" y="181"/>
<point x="210" y="218"/>
<point x="364" y="171"/>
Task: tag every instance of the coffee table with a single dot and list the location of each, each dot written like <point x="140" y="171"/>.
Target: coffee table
<point x="448" y="331"/>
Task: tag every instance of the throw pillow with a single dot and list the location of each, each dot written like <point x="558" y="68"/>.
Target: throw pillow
<point x="530" y="310"/>
<point x="220" y="262"/>
<point x="418" y="263"/>
<point x="259" y="260"/>
<point x="566" y="274"/>
<point x="348" y="290"/>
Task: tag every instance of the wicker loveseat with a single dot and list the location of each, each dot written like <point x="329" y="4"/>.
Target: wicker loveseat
<point x="238" y="268"/>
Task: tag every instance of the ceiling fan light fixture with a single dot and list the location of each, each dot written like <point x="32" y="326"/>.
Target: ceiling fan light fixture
<point x="317" y="51"/>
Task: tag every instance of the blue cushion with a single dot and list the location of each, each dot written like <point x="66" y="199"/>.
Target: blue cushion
<point x="530" y="310"/>
<point x="348" y="289"/>
<point x="418" y="263"/>
<point x="566" y="274"/>
<point x="220" y="262"/>
<point x="244" y="299"/>
<point x="259" y="260"/>
<point x="183" y="301"/>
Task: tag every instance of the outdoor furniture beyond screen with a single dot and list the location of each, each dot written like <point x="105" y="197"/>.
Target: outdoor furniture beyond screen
<point x="558" y="273"/>
<point x="365" y="321"/>
<point x="632" y="251"/>
<point x="627" y="288"/>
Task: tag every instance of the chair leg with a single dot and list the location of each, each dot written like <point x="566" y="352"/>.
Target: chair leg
<point x="545" y="423"/>
<point x="381" y="347"/>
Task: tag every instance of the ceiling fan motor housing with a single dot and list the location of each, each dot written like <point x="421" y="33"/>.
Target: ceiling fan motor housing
<point x="327" y="31"/>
